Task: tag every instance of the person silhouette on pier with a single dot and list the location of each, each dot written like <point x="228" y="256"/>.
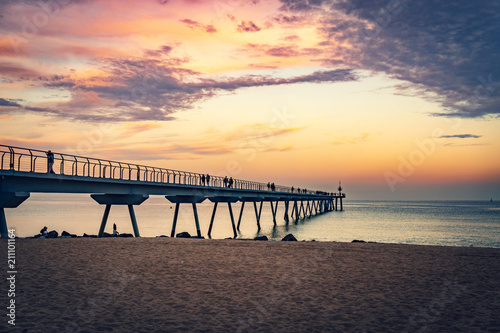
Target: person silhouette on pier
<point x="203" y="180"/>
<point x="273" y="187"/>
<point x="208" y="179"/>
<point x="292" y="189"/>
<point x="50" y="162"/>
<point x="230" y="182"/>
<point x="268" y="186"/>
<point x="225" y="181"/>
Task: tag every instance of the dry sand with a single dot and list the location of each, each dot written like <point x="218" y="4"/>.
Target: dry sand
<point x="178" y="285"/>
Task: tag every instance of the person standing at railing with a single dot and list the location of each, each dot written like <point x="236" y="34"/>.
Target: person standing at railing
<point x="208" y="179"/>
<point x="50" y="162"/>
<point x="202" y="180"/>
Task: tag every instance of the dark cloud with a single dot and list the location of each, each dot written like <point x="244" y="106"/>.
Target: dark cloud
<point x="444" y="49"/>
<point x="292" y="38"/>
<point x="249" y="26"/>
<point x="6" y="102"/>
<point x="163" y="50"/>
<point x="460" y="136"/>
<point x="154" y="88"/>
<point x="287" y="19"/>
<point x="283" y="51"/>
<point x="197" y="25"/>
<point x="303" y="5"/>
<point x="18" y="72"/>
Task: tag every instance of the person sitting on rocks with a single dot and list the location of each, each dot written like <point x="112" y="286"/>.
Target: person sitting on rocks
<point x="115" y="232"/>
<point x="44" y="232"/>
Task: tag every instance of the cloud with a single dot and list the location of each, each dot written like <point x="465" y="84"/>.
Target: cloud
<point x="446" y="50"/>
<point x="6" y="102"/>
<point x="18" y="72"/>
<point x="252" y="132"/>
<point x="152" y="88"/>
<point x="247" y="26"/>
<point x="197" y="25"/>
<point x="461" y="136"/>
<point x="284" y="51"/>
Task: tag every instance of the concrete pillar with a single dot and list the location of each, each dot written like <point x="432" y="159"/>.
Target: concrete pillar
<point x="229" y="200"/>
<point x="9" y="200"/>
<point x="241" y="214"/>
<point x="287" y="203"/>
<point x="122" y="200"/>
<point x="192" y="199"/>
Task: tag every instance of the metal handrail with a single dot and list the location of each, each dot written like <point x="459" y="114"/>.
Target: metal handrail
<point x="150" y="174"/>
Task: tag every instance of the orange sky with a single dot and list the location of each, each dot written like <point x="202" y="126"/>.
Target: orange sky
<point x="279" y="91"/>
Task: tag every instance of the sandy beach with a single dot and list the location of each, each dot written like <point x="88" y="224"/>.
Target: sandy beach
<point x="179" y="285"/>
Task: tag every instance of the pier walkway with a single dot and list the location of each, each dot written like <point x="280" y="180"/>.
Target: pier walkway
<point x="24" y="171"/>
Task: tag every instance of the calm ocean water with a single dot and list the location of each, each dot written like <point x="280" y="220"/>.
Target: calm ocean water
<point x="455" y="223"/>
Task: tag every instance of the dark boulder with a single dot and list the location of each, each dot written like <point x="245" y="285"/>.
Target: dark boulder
<point x="183" y="234"/>
<point x="261" y="238"/>
<point x="90" y="236"/>
<point x="66" y="234"/>
<point x="358" y="241"/>
<point x="125" y="235"/>
<point x="105" y="234"/>
<point x="289" y="238"/>
<point x="52" y="234"/>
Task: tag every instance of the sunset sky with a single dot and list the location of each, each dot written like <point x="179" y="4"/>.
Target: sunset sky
<point x="397" y="99"/>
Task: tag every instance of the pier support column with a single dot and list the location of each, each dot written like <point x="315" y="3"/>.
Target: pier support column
<point x="309" y="209"/>
<point x="274" y="208"/>
<point x="9" y="200"/>
<point x="119" y="199"/>
<point x="295" y="210"/>
<point x="301" y="211"/>
<point x="229" y="200"/>
<point x="196" y="221"/>
<point x="257" y="214"/>
<point x="241" y="214"/>
<point x="287" y="203"/>
<point x="192" y="199"/>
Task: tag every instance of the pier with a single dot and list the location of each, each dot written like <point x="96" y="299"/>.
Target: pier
<point x="24" y="171"/>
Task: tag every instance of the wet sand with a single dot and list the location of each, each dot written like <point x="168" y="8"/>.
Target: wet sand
<point x="178" y="285"/>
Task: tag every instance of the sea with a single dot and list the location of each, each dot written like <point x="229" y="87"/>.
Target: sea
<point x="448" y="223"/>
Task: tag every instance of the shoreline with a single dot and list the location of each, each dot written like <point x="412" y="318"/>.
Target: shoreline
<point x="268" y="240"/>
<point x="177" y="284"/>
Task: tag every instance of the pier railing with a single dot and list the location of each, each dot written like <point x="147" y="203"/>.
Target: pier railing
<point x="33" y="160"/>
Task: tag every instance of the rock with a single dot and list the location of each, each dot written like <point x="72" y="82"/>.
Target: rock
<point x="91" y="236"/>
<point x="52" y="234"/>
<point x="260" y="238"/>
<point x="183" y="235"/>
<point x="289" y="238"/>
<point x="105" y="234"/>
<point x="65" y="233"/>
<point x="358" y="241"/>
<point x="125" y="235"/>
<point x="162" y="236"/>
